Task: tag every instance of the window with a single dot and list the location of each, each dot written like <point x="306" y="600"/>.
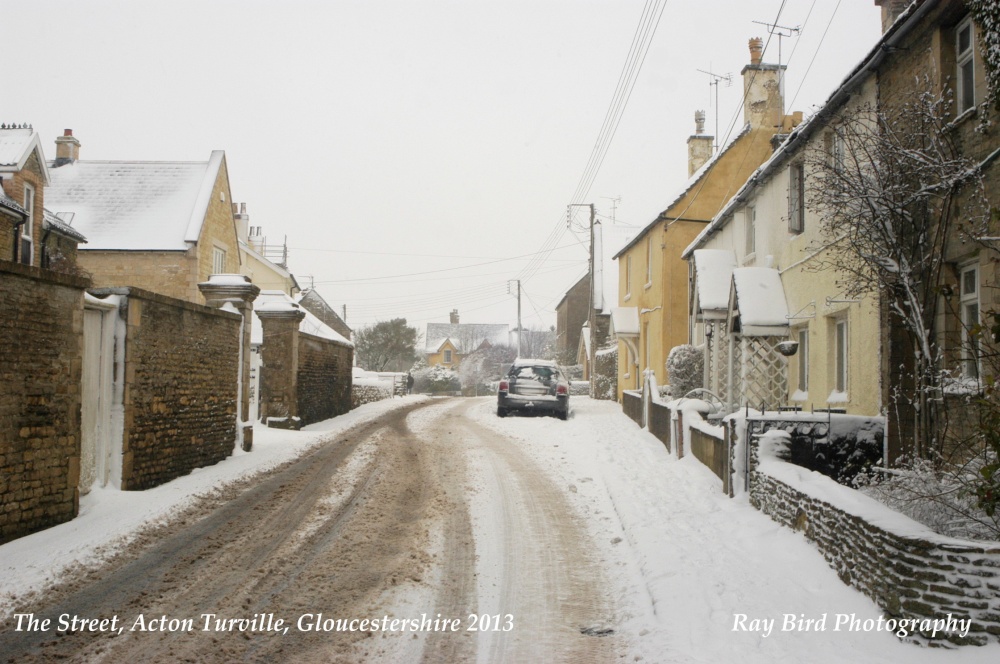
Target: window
<point x="649" y="261"/>
<point x="628" y="275"/>
<point x="796" y="198"/>
<point x="27" y="250"/>
<point x="966" y="74"/>
<point x="750" y="215"/>
<point x="969" y="312"/>
<point x="447" y="356"/>
<point x="837" y="151"/>
<point x="218" y="261"/>
<point x="803" y="356"/>
<point x="840" y="369"/>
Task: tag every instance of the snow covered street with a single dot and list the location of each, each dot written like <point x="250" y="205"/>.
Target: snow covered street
<point x="576" y="541"/>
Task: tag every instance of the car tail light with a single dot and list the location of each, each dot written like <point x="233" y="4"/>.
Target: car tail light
<point x="504" y="386"/>
<point x="561" y="389"/>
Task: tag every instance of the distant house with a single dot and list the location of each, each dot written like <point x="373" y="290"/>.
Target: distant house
<point x="157" y="225"/>
<point x="29" y="233"/>
<point x="448" y="343"/>
<point x="571" y="314"/>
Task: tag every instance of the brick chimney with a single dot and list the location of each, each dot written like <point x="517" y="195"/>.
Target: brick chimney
<point x="699" y="144"/>
<point x="67" y="148"/>
<point x="454" y="316"/>
<point x="891" y="9"/>
<point x="763" y="106"/>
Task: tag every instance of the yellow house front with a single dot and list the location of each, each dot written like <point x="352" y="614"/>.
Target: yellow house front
<point x="653" y="278"/>
<point x="446" y="356"/>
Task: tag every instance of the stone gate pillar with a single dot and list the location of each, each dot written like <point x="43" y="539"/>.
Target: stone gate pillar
<point x="279" y="354"/>
<point x="236" y="290"/>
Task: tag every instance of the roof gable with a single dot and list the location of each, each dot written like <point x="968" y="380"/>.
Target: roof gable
<point x="17" y="146"/>
<point x="136" y="205"/>
<point x="465" y="337"/>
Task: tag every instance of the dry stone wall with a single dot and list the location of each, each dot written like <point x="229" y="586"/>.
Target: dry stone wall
<point x="180" y="396"/>
<point x="908" y="577"/>
<point x="41" y="325"/>
<point x="324" y="378"/>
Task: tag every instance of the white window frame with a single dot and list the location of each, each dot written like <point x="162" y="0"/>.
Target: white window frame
<point x="447" y="356"/>
<point x="219" y="255"/>
<point x="750" y="226"/>
<point x="803" y="355"/>
<point x="965" y="66"/>
<point x="796" y="198"/>
<point x="969" y="313"/>
<point x="27" y="257"/>
<point x="841" y="358"/>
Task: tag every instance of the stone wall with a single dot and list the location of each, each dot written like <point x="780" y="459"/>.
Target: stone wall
<point x="907" y="576"/>
<point x="40" y="371"/>
<point x="170" y="273"/>
<point x="180" y="391"/>
<point x="324" y="378"/>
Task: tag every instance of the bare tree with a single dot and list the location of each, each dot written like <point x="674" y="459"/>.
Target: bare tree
<point x="887" y="188"/>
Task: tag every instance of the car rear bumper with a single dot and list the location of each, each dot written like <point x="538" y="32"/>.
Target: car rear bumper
<point x="545" y="403"/>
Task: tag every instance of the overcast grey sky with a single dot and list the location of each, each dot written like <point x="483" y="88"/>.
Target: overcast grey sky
<point x="439" y="134"/>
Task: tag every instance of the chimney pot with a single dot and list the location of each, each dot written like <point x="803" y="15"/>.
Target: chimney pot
<point x="756" y="50"/>
<point x="67" y="132"/>
<point x="699" y="122"/>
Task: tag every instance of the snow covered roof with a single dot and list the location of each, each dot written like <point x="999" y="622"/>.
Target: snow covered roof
<point x="797" y="138"/>
<point x="16" y="147"/>
<point x="624" y="321"/>
<point x="713" y="276"/>
<point x="466" y="337"/>
<point x="695" y="178"/>
<point x="11" y="205"/>
<point x="136" y="205"/>
<point x="61" y="225"/>
<point x="273" y="300"/>
<point x="759" y="298"/>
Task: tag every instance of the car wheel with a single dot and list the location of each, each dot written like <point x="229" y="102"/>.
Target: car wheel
<point x="501" y="412"/>
<point x="563" y="414"/>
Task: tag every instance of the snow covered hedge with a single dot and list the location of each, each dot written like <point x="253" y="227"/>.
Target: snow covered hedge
<point x="685" y="369"/>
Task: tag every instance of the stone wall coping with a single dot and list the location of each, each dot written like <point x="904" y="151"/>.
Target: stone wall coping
<point x="854" y="503"/>
<point x="280" y="310"/>
<point x="335" y="342"/>
<point x="47" y="276"/>
<point x="149" y="296"/>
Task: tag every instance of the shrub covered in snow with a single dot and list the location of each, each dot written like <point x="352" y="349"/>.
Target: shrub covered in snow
<point x="943" y="498"/>
<point x="606" y="374"/>
<point x="436" y="379"/>
<point x="685" y="369"/>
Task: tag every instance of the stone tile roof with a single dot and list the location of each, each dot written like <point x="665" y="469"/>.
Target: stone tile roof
<point x="135" y="205"/>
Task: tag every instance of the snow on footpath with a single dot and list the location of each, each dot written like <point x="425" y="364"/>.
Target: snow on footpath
<point x="687" y="562"/>
<point x="110" y="519"/>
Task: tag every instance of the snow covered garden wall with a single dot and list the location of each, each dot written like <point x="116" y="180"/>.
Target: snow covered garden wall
<point x="902" y="566"/>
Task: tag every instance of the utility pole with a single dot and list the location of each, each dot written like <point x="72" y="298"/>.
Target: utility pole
<point x="591" y="318"/>
<point x="519" y="330"/>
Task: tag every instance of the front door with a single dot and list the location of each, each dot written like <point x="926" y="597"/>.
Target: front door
<point x="95" y="435"/>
